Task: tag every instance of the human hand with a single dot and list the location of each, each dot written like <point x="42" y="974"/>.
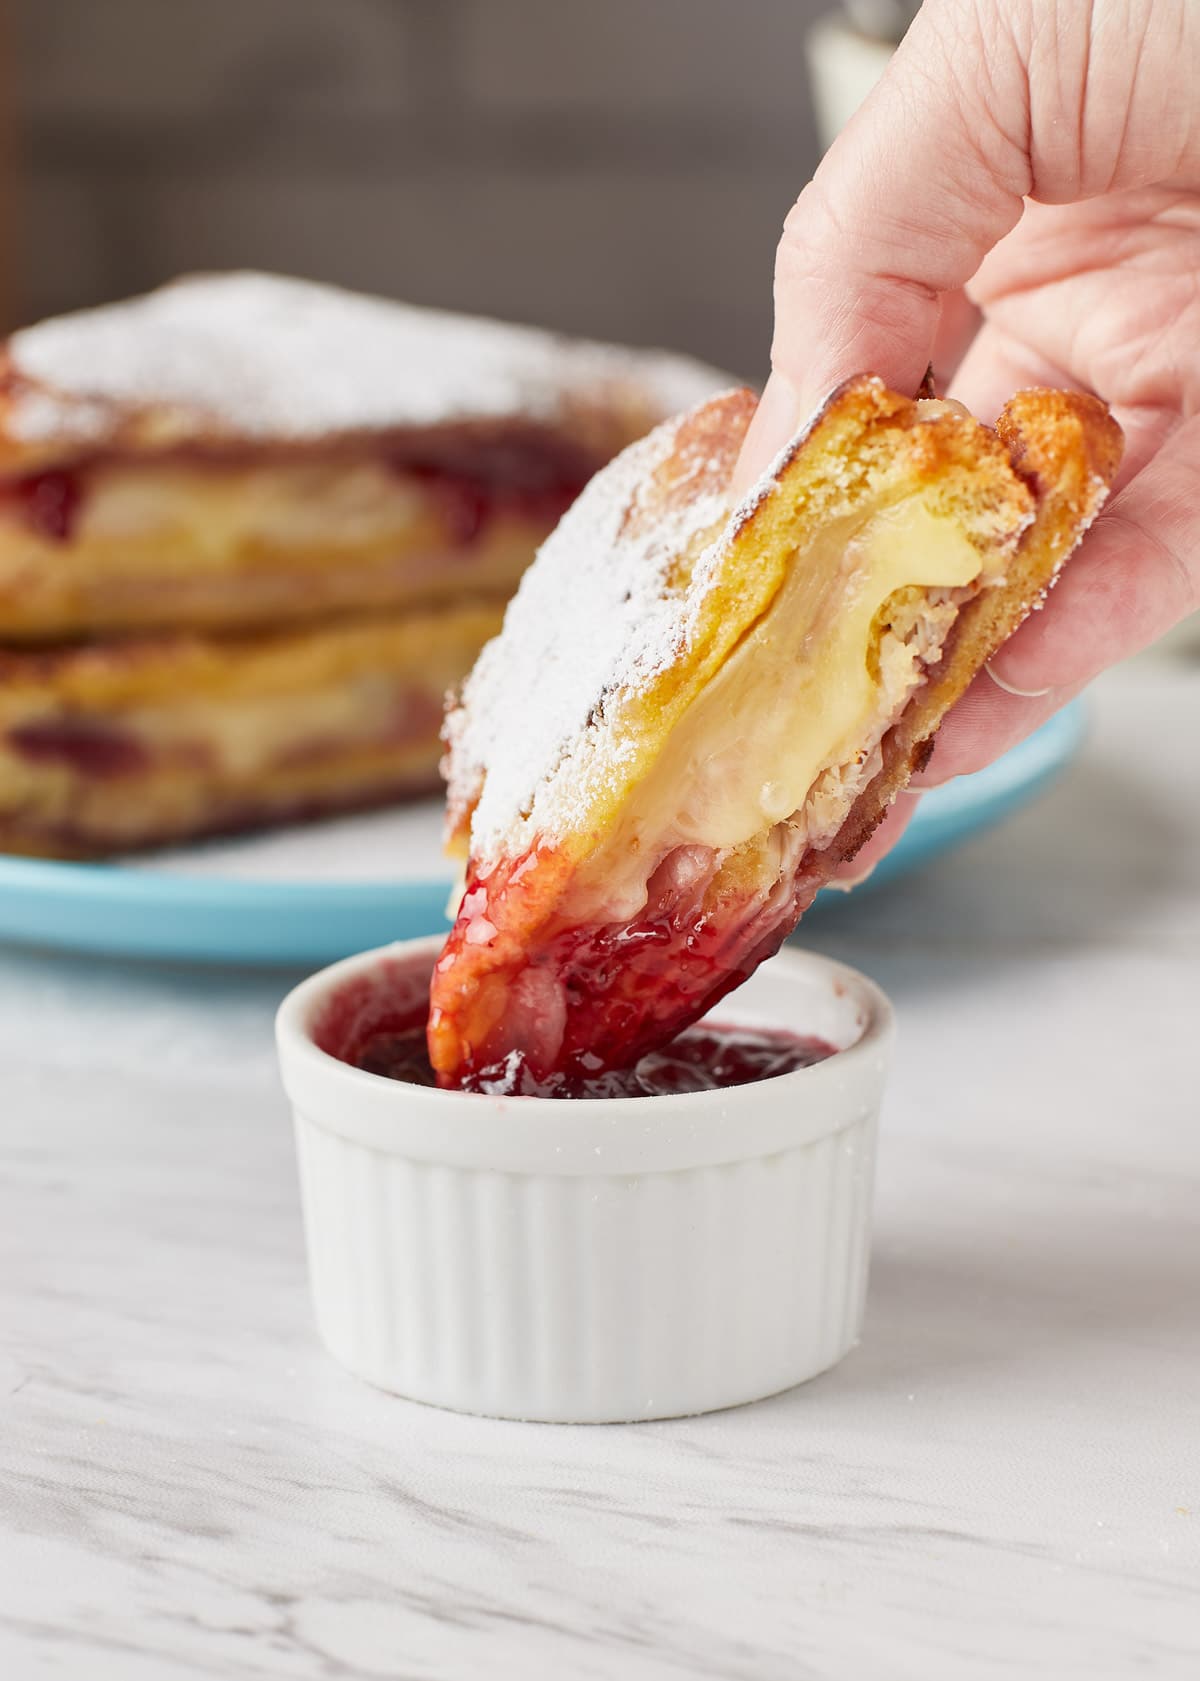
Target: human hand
<point x="1089" y="108"/>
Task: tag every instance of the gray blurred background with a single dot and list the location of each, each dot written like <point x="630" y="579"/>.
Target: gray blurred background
<point x="613" y="167"/>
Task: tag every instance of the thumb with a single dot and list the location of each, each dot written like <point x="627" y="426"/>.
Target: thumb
<point x="925" y="179"/>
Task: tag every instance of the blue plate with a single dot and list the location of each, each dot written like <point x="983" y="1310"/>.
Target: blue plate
<point x="132" y="911"/>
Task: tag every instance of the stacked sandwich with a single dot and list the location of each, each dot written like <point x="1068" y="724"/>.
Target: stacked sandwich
<point x="251" y="531"/>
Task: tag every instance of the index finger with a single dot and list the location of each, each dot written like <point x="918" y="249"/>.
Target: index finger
<point x="925" y="179"/>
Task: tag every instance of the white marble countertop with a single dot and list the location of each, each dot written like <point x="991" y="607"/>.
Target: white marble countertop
<point x="1004" y="1479"/>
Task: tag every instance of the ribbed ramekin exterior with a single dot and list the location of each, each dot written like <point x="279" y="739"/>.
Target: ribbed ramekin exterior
<point x="588" y="1298"/>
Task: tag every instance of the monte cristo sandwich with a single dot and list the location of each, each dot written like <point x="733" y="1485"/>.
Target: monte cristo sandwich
<point x="695" y="713"/>
<point x="251" y="527"/>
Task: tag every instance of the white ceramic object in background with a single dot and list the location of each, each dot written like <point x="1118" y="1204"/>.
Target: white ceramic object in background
<point x="597" y="1260"/>
<point x="843" y="66"/>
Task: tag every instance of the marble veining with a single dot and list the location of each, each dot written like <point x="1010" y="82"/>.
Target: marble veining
<point x="1003" y="1479"/>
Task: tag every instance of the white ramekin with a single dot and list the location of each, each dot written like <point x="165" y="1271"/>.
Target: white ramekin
<point x="597" y="1260"/>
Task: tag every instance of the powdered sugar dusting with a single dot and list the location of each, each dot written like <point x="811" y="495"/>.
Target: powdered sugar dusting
<point x="40" y="415"/>
<point x="598" y="614"/>
<point x="257" y="356"/>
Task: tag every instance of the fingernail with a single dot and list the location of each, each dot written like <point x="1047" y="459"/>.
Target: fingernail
<point x="777" y="419"/>
<point x="1011" y="688"/>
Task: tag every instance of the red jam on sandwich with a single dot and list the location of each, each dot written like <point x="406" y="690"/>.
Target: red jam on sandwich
<point x="377" y="1022"/>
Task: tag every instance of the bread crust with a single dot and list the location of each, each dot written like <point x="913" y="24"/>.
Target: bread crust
<point x="1066" y="448"/>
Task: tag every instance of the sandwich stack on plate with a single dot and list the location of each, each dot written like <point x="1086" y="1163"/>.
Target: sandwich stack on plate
<point x="251" y="531"/>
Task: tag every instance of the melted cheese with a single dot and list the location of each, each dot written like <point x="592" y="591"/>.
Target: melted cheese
<point x="299" y="503"/>
<point x="798" y="695"/>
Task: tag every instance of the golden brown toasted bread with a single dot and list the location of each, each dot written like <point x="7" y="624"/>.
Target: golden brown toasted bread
<point x="693" y="716"/>
<point x="125" y="745"/>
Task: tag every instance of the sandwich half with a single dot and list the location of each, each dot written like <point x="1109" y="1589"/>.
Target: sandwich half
<point x="251" y="528"/>
<point x="240" y="450"/>
<point x="694" y="714"/>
